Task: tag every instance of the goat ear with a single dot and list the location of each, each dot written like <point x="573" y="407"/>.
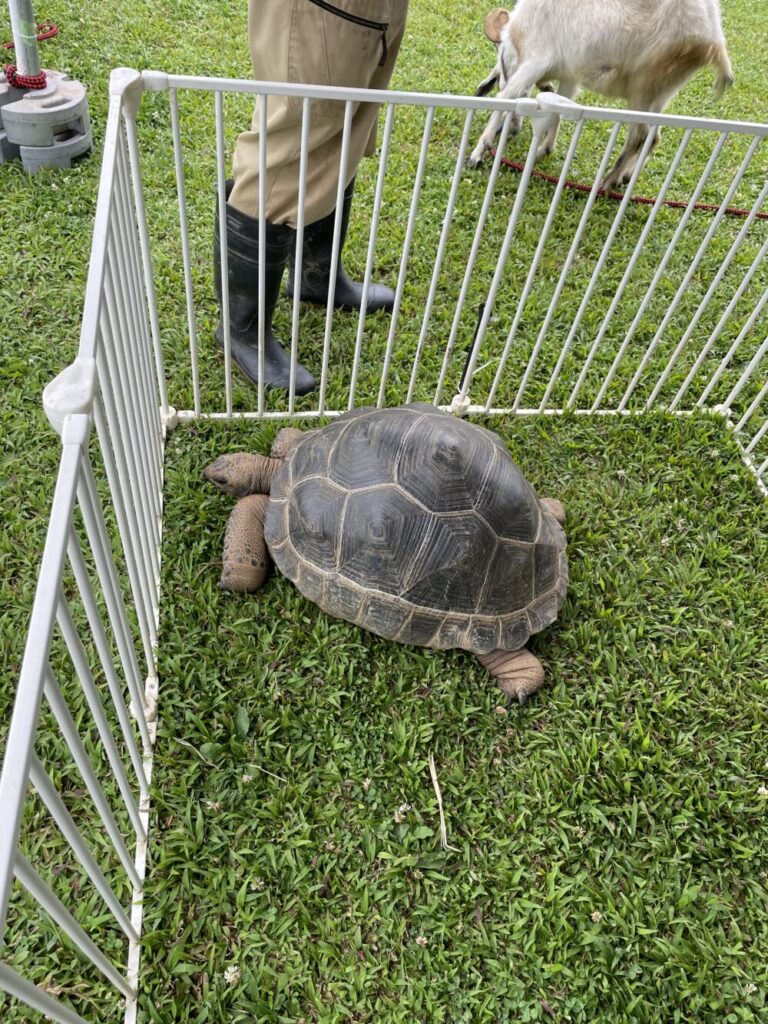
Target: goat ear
<point x="494" y="23"/>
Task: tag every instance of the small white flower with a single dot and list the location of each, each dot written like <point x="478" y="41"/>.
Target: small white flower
<point x="421" y="940"/>
<point x="500" y="709"/>
<point x="597" y="917"/>
<point x="621" y="472"/>
<point x="213" y="805"/>
<point x="366" y="784"/>
<point x="666" y="541"/>
<point x="762" y="790"/>
<point x="418" y="874"/>
<point x="257" y="884"/>
<point x="750" y="989"/>
<point x="232" y="975"/>
<point x="401" y="812"/>
<point x="247" y="778"/>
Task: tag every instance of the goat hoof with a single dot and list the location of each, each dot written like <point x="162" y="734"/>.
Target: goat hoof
<point x="474" y="159"/>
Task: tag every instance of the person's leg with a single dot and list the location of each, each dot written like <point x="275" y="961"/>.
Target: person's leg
<point x="295" y="40"/>
<point x="243" y="260"/>
<point x="318" y="250"/>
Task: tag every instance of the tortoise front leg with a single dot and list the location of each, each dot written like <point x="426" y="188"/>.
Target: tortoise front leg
<point x="518" y="673"/>
<point x="246" y="561"/>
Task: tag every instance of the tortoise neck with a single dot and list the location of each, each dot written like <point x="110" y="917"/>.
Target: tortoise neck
<point x="263" y="475"/>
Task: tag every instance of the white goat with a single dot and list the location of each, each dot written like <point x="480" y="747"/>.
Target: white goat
<point x="642" y="51"/>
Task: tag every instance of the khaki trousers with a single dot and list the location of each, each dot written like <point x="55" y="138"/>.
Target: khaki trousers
<point x="311" y="41"/>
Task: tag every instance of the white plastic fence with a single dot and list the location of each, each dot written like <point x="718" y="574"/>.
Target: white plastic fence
<point x="534" y="300"/>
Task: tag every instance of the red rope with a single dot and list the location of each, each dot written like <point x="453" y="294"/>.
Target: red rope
<point x="46" y="30"/>
<point x="732" y="211"/>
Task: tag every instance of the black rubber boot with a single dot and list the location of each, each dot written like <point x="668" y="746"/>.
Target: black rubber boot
<point x="243" y="262"/>
<point x="316" y="269"/>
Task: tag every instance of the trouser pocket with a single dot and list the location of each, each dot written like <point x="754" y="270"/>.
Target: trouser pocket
<point x="341" y="43"/>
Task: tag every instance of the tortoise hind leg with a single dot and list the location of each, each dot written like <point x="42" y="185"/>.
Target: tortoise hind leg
<point x="518" y="673"/>
<point x="555" y="508"/>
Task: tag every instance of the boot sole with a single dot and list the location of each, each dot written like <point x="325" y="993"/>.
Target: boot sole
<point x="269" y="385"/>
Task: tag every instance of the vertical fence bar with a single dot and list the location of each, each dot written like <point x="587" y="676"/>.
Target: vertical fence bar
<point x="146" y="256"/>
<point x="746" y="375"/>
<point x="88" y="686"/>
<point x="143" y="348"/>
<point x="442" y="244"/>
<point x="262" y="330"/>
<point x="181" y="191"/>
<point x="553" y="207"/>
<point x="661" y="270"/>
<point x="26" y="708"/>
<point x="472" y="259"/>
<point x="221" y="177"/>
<point x="144" y="600"/>
<point x="637" y="252"/>
<point x="57" y="808"/>
<point x="602" y="168"/>
<point x="101" y="643"/>
<point x="402" y="273"/>
<point x="129" y="402"/>
<point x="298" y="261"/>
<point x="714" y="285"/>
<point x="105" y="566"/>
<point x="125" y="458"/>
<point x="69" y="731"/>
<point x="752" y="409"/>
<point x="340" y="189"/>
<point x="726" y="360"/>
<point x="383" y="161"/>
<point x="45" y="896"/>
<point x="514" y="217"/>
<point x="759" y="435"/>
<point x="745" y="282"/>
<point x="623" y="206"/>
<point x="689" y="274"/>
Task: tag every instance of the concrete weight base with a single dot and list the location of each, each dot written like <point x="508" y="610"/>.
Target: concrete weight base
<point x="50" y="126"/>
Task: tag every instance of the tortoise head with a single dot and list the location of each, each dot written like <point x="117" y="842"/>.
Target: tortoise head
<point x="242" y="473"/>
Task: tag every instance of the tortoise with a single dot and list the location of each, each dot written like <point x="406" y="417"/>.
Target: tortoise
<point x="409" y="522"/>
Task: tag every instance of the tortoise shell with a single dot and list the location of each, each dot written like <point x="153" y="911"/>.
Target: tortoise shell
<point x="419" y="527"/>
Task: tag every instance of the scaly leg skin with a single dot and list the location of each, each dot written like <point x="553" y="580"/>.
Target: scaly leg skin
<point x="518" y="673"/>
<point x="555" y="508"/>
<point x="285" y="441"/>
<point x="246" y="562"/>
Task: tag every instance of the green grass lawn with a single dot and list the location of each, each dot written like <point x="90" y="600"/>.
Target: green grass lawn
<point x="611" y="838"/>
<point x="610" y="843"/>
